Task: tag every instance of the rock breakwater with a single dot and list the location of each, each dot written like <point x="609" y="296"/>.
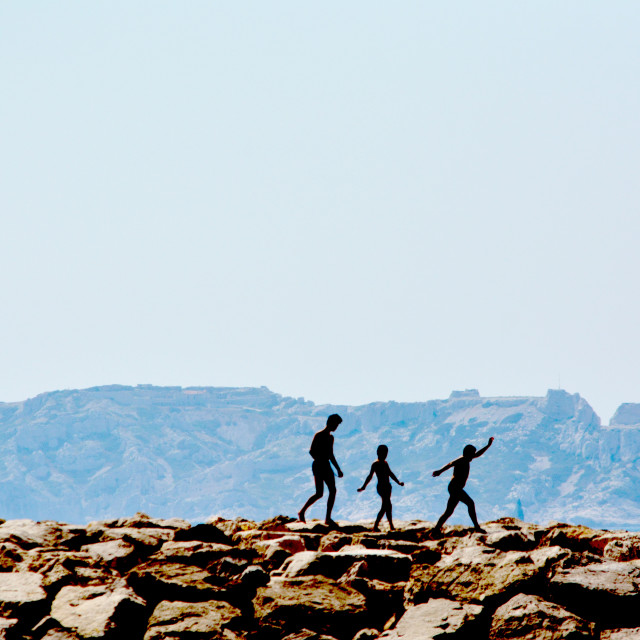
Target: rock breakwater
<point x="141" y="578"/>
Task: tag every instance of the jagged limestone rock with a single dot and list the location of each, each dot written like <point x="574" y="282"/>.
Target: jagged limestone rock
<point x="476" y="573"/>
<point x="527" y="617"/>
<point x="437" y="619"/>
<point x="382" y="564"/>
<point x="21" y="594"/>
<point x="98" y="612"/>
<point x="314" y="602"/>
<point x="178" y="620"/>
<point x="621" y="634"/>
<point x="607" y="592"/>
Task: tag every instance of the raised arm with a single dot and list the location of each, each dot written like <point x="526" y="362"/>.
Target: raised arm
<point x="446" y="466"/>
<point x="366" y="482"/>
<point x="481" y="451"/>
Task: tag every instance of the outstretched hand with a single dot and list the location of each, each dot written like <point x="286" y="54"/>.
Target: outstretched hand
<point x="401" y="484"/>
<point x="491" y="439"/>
<point x="361" y="489"/>
<point x="436" y="473"/>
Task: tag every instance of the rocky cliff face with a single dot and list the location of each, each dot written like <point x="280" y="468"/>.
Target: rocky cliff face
<point x="97" y="453"/>
<point x="143" y="579"/>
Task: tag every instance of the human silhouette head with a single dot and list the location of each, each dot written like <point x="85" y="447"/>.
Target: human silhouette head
<point x="469" y="451"/>
<point x="333" y="421"/>
<point x="383" y="450"/>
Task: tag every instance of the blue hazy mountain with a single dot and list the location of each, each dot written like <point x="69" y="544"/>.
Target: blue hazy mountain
<point x="195" y="452"/>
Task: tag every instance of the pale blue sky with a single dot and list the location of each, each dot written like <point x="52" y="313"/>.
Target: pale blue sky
<point x="343" y="201"/>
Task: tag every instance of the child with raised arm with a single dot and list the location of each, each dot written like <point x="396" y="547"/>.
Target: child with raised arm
<point x="456" y="486"/>
<point x="381" y="468"/>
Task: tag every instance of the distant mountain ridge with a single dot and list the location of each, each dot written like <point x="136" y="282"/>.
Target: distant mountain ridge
<point x="193" y="452"/>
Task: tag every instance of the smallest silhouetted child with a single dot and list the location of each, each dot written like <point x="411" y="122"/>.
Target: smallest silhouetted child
<point x="381" y="468"/>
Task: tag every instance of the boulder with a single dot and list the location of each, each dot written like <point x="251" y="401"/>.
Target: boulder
<point x="157" y="581"/>
<point x="289" y="543"/>
<point x="278" y="523"/>
<point x="619" y="546"/>
<point x="39" y="559"/>
<point x="231" y="527"/>
<point x="145" y="540"/>
<point x="476" y="573"/>
<point x="315" y="603"/>
<point x="382" y="564"/>
<point x="22" y="595"/>
<point x="27" y="534"/>
<point x="11" y="555"/>
<point x="608" y="593"/>
<point x="574" y="537"/>
<point x="117" y="554"/>
<point x="99" y="612"/>
<point x="60" y="567"/>
<point x="196" y="552"/>
<point x="60" y="634"/>
<point x="621" y="634"/>
<point x="143" y="521"/>
<point x="436" y="619"/>
<point x="527" y="617"/>
<point x="510" y="540"/>
<point x="8" y="628"/>
<point x="333" y="541"/>
<point x="178" y="620"/>
<point x="383" y="599"/>
<point x="56" y="576"/>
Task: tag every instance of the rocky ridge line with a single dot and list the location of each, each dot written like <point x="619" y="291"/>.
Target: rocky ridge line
<point x="140" y="578"/>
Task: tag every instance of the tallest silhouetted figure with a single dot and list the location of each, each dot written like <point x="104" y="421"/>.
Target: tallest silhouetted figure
<point x="322" y="453"/>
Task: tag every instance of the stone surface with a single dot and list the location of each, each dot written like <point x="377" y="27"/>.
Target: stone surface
<point x="145" y="539"/>
<point x="27" y="533"/>
<point x="382" y="564"/>
<point x="527" y="617"/>
<point x="179" y="620"/>
<point x="99" y="612"/>
<point x="195" y="552"/>
<point x="8" y="628"/>
<point x="290" y="543"/>
<point x="608" y="593"/>
<point x="477" y="573"/>
<point x="621" y="634"/>
<point x="438" y="618"/>
<point x="21" y="594"/>
<point x="315" y="603"/>
<point x="233" y="580"/>
<point x="11" y="555"/>
<point x="156" y="581"/>
<point x="60" y="634"/>
<point x="113" y="553"/>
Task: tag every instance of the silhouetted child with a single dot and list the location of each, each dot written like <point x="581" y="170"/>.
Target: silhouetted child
<point x="381" y="468"/>
<point x="322" y="453"/>
<point x="456" y="486"/>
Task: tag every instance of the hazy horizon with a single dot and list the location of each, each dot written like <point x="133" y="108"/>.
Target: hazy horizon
<point x="348" y="203"/>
